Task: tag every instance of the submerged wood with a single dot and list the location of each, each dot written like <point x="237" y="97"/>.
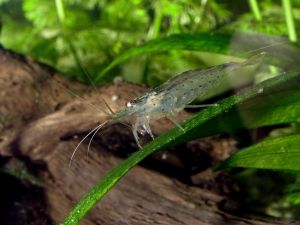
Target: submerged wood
<point x="40" y="121"/>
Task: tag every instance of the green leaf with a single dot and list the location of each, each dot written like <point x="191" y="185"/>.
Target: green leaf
<point x="22" y="174"/>
<point x="277" y="105"/>
<point x="278" y="153"/>
<point x="41" y="13"/>
<point x="194" y="127"/>
<point x="217" y="43"/>
<point x="279" y="51"/>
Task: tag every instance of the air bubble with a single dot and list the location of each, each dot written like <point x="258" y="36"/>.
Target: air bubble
<point x="118" y="79"/>
<point x="114" y="98"/>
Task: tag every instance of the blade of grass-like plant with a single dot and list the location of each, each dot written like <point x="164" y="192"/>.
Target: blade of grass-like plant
<point x="217" y="43"/>
<point x="22" y="174"/>
<point x="278" y="153"/>
<point x="175" y="136"/>
<point x="279" y="52"/>
<point x="287" y="6"/>
<point x="272" y="107"/>
<point x="255" y="9"/>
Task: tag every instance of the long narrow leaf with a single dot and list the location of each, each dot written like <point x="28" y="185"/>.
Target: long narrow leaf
<point x="194" y="127"/>
<point x="279" y="51"/>
<point x="218" y="43"/>
<point x="278" y="153"/>
<point x="279" y="105"/>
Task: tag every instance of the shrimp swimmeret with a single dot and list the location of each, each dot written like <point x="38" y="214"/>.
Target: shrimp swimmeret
<point x="171" y="97"/>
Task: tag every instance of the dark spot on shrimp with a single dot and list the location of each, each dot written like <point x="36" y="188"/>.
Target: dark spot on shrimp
<point x="227" y="65"/>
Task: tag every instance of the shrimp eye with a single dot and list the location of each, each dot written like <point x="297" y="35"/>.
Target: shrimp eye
<point x="131" y="103"/>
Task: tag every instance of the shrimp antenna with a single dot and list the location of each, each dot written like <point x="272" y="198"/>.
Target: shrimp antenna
<point x="90" y="142"/>
<point x="99" y="127"/>
<point x="107" y="106"/>
<point x="81" y="98"/>
<point x="78" y="61"/>
<point x="78" y="145"/>
<point x="267" y="46"/>
<point x="112" y="112"/>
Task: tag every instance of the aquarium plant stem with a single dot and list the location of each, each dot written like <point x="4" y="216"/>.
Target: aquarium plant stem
<point x="289" y="20"/>
<point x="255" y="9"/>
<point x="60" y="11"/>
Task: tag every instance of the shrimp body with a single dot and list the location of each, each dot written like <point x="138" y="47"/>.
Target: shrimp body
<point x="175" y="94"/>
<point x="171" y="97"/>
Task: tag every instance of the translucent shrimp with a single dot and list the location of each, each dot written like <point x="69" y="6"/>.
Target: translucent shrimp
<point x="171" y="97"/>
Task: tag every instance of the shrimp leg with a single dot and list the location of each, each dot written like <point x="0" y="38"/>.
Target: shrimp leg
<point x="135" y="130"/>
<point x="141" y="126"/>
<point x="171" y="117"/>
<point x="147" y="127"/>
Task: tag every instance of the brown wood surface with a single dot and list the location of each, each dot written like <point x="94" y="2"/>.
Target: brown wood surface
<point x="42" y="122"/>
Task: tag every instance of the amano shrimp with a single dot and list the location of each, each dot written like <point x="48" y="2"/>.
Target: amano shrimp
<point x="170" y="98"/>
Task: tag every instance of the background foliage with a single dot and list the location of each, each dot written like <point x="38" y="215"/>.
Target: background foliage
<point x="147" y="41"/>
<point x="61" y="33"/>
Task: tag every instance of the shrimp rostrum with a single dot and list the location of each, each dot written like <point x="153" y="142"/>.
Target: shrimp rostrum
<point x="172" y="97"/>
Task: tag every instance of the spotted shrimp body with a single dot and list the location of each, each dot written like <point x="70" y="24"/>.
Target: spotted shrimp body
<point x="175" y="95"/>
<point x="172" y="97"/>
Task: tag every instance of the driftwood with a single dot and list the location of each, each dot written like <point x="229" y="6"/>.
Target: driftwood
<point x="41" y="123"/>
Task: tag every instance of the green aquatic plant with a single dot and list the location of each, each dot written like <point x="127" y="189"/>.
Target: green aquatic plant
<point x="106" y="36"/>
<point x="201" y="125"/>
